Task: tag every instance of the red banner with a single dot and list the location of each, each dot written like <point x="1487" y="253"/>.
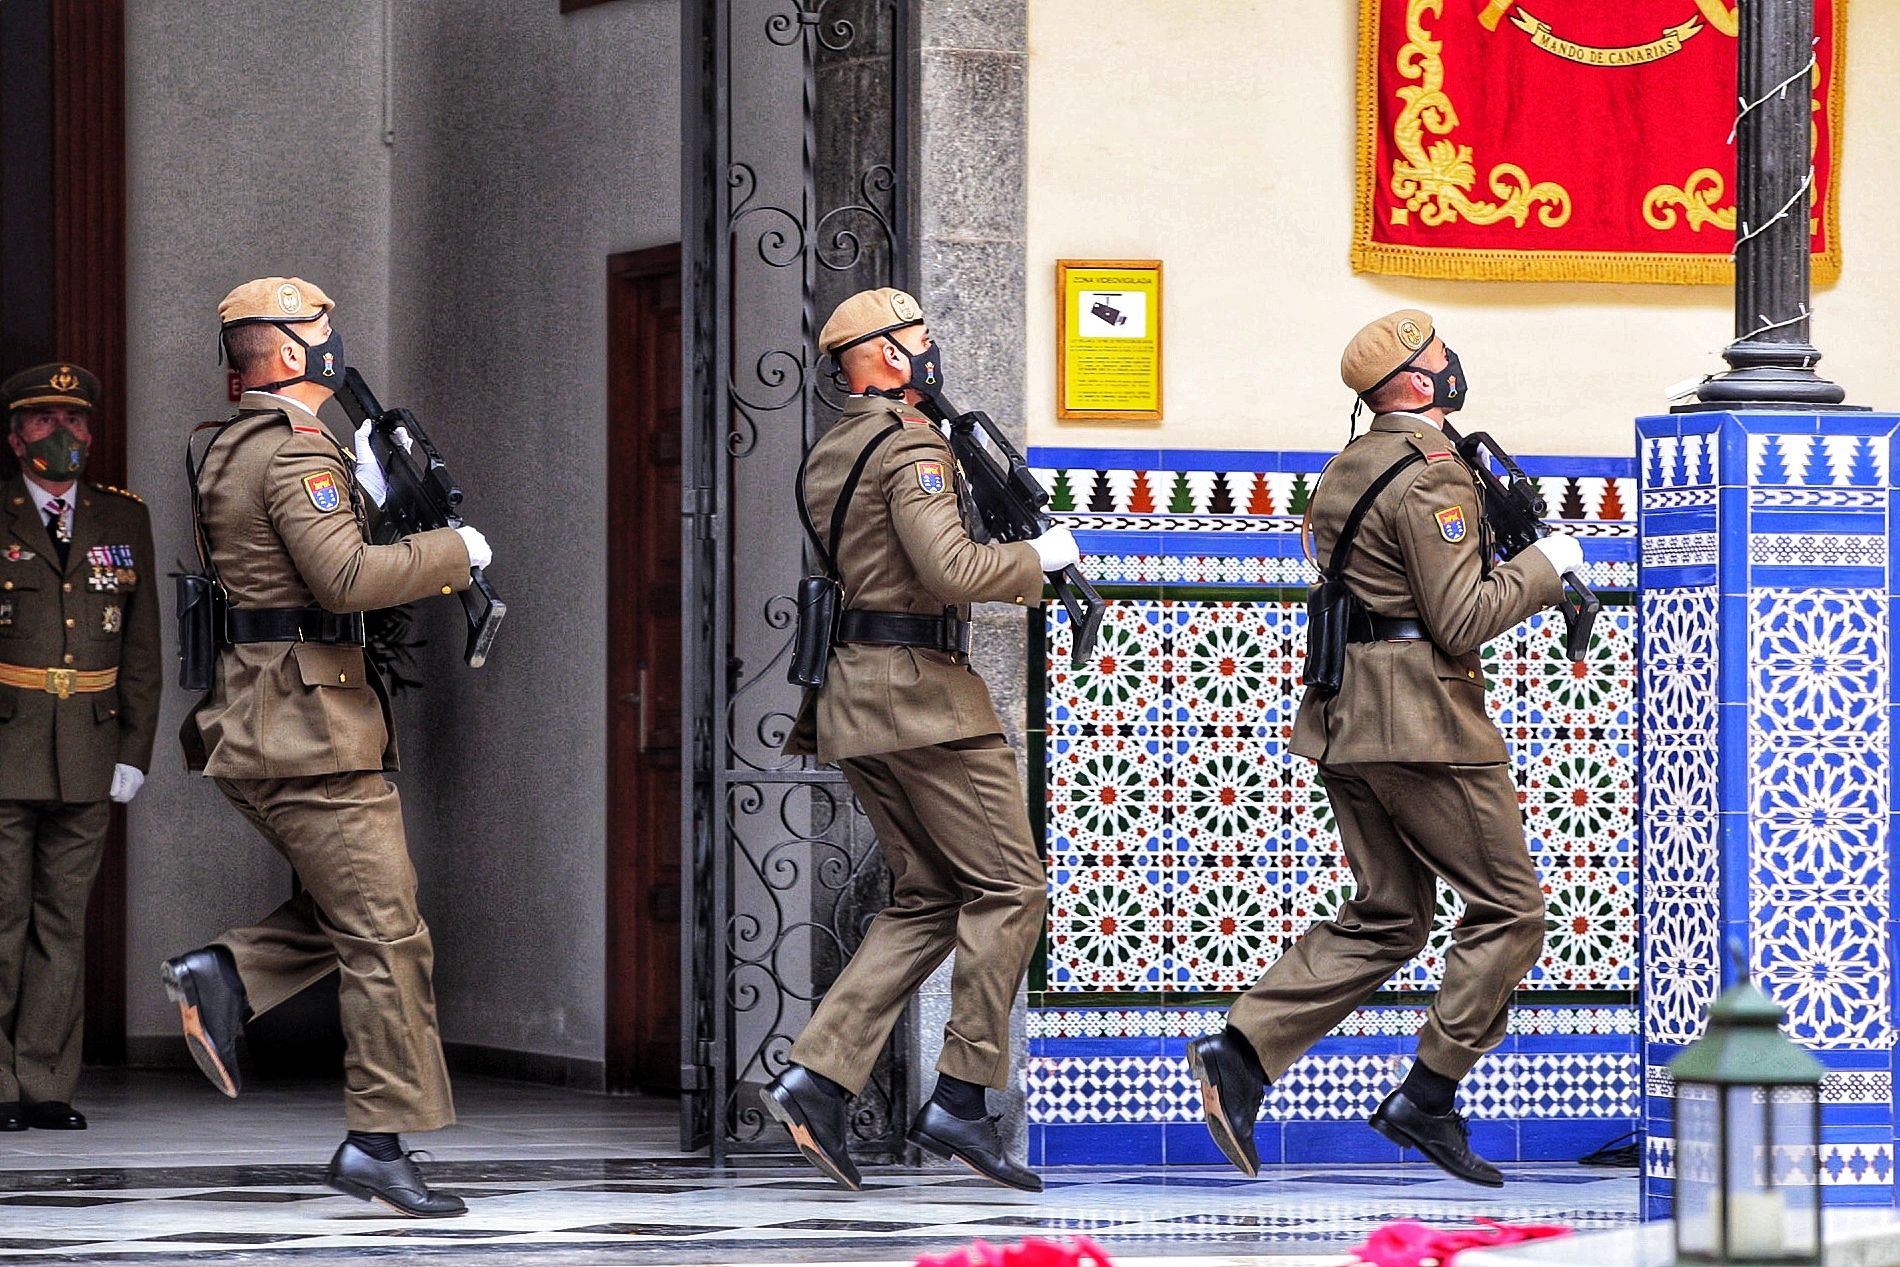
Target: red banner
<point x="1565" y="140"/>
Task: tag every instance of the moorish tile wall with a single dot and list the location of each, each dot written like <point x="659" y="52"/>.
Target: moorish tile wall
<point x="1188" y="845"/>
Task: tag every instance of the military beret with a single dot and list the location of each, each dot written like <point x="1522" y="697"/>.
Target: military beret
<point x="868" y="314"/>
<point x="274" y="299"/>
<point x="59" y="383"/>
<point x="1383" y="348"/>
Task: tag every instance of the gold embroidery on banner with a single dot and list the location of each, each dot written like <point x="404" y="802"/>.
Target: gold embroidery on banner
<point x="1696" y="196"/>
<point x="1433" y="183"/>
<point x="1668" y="44"/>
<point x="1725" y="18"/>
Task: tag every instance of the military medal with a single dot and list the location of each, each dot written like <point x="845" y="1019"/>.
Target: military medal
<point x="6" y="612"/>
<point x="17" y="555"/>
<point x="113" y="617"/>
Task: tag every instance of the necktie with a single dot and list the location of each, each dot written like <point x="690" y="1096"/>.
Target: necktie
<point x="56" y="520"/>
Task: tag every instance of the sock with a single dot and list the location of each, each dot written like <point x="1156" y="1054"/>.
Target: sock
<point x="382" y="1145"/>
<point x="827" y="1085"/>
<point x="1431" y="1091"/>
<point x="959" y="1098"/>
<point x="1244" y="1045"/>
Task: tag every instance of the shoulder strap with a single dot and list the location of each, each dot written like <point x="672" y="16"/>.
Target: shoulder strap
<point x="1342" y="549"/>
<point x="827" y="554"/>
<point x="194" y="469"/>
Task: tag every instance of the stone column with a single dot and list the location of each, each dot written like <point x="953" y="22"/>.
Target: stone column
<point x="1768" y="701"/>
<point x="973" y="203"/>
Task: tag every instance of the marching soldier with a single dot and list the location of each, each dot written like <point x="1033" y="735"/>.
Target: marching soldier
<point x="920" y="743"/>
<point x="1412" y="765"/>
<point x="79" y="689"/>
<point x="296" y="730"/>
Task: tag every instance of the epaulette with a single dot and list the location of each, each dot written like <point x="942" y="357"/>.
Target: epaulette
<point x="318" y="430"/>
<point x="108" y="488"/>
<point x="1430" y="447"/>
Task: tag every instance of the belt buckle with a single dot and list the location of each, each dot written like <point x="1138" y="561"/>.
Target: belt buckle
<point x="953" y="631"/>
<point x="61" y="682"/>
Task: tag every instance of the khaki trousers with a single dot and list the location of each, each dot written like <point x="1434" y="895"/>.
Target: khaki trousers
<point x="954" y="828"/>
<point x="356" y="914"/>
<point x="49" y="856"/>
<point x="1403" y="826"/>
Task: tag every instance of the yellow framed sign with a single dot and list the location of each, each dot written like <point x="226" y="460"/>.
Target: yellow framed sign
<point x="1108" y="340"/>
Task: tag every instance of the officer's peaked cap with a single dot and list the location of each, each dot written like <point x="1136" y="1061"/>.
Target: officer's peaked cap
<point x="56" y="383"/>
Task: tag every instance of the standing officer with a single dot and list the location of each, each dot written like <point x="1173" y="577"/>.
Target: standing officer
<point x="920" y="743"/>
<point x="79" y="687"/>
<point x="1412" y="765"/>
<point x="296" y="731"/>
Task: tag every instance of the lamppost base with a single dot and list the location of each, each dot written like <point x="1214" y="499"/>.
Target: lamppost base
<point x="1768" y="376"/>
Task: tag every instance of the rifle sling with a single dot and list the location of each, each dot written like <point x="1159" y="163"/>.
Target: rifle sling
<point x="827" y="554"/>
<point x="1342" y="548"/>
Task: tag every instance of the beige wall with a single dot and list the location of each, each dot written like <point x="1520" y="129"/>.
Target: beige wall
<point x="1218" y="138"/>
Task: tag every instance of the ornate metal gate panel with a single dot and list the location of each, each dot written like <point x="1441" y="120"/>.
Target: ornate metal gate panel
<point x="796" y="194"/>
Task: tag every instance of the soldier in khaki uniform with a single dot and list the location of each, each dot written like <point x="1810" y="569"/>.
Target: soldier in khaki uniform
<point x="79" y="689"/>
<point x="296" y="730"/>
<point x="920" y="743"/>
<point x="1413" y="767"/>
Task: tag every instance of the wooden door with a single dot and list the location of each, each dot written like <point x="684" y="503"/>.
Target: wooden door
<point x="643" y="671"/>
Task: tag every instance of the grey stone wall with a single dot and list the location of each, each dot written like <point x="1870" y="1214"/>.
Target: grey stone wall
<point x="973" y="202"/>
<point x="469" y="261"/>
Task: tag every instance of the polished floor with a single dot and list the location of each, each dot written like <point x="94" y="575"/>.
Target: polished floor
<point x="171" y="1172"/>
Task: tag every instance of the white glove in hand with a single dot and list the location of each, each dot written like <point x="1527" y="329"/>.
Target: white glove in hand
<point x="126" y="782"/>
<point x="479" y="555"/>
<point x="1563" y="551"/>
<point x="1056" y="549"/>
<point x="369" y="476"/>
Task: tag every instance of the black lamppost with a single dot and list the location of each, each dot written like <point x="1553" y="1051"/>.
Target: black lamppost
<point x="1772" y="361"/>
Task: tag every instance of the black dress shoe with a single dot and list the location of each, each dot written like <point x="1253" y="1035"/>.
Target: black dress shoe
<point x="977" y="1144"/>
<point x="397" y="1184"/>
<point x="12" y="1116"/>
<point x="816" y="1119"/>
<point x="212" y="1011"/>
<point x="1444" y="1139"/>
<point x="54" y="1115"/>
<point x="1230" y="1097"/>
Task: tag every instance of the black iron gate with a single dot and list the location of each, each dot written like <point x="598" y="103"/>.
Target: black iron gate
<point x="796" y="194"/>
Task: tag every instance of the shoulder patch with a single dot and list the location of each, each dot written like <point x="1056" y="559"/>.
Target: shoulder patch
<point x="1451" y="523"/>
<point x="324" y="494"/>
<point x="930" y="477"/>
<point x="120" y="492"/>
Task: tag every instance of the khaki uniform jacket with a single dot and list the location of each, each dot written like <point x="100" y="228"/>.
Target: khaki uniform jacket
<point x="1421" y="552"/>
<point x="288" y="529"/>
<point x="904" y="549"/>
<point x="99" y="612"/>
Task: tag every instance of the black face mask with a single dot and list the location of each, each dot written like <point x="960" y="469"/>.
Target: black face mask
<point x="926" y="368"/>
<point x="1448" y="385"/>
<point x="322" y="362"/>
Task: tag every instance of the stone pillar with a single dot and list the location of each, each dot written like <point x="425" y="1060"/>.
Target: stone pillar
<point x="972" y="197"/>
<point x="1768" y="699"/>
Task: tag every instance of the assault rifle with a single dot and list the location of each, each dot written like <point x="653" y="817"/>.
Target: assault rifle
<point x="1515" y="510"/>
<point x="422" y="495"/>
<point x="1009" y="500"/>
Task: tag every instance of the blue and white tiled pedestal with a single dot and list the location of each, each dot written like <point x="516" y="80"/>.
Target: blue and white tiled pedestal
<point x="1767" y="610"/>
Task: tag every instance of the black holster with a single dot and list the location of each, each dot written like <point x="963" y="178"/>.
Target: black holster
<point x="200" y="624"/>
<point x="818" y="602"/>
<point x="1330" y="607"/>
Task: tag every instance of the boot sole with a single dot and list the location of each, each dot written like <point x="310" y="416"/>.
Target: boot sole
<point x="937" y="1148"/>
<point x="785" y="1112"/>
<point x="1403" y="1138"/>
<point x="352" y="1189"/>
<point x="197" y="1042"/>
<point x="1216" y="1119"/>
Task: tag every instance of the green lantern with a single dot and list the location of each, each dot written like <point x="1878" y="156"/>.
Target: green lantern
<point x="1748" y="1140"/>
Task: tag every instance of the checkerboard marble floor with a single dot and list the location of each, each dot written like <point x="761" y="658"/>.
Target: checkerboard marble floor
<point x="172" y="1173"/>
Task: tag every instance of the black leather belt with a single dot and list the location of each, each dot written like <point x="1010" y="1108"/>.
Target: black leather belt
<point x="947" y="632"/>
<point x="1366" y="627"/>
<point x="293" y="624"/>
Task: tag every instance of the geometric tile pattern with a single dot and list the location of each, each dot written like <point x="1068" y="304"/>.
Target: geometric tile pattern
<point x="1188" y="846"/>
<point x="1766" y="584"/>
<point x="1542" y="1021"/>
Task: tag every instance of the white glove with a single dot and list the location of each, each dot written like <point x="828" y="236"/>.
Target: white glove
<point x="369" y="476"/>
<point x="1563" y="551"/>
<point x="1056" y="549"/>
<point x="479" y="555"/>
<point x="126" y="782"/>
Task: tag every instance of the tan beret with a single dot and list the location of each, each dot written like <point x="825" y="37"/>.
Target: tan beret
<point x="274" y="299"/>
<point x="57" y="383"/>
<point x="1377" y="351"/>
<point x="868" y="313"/>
